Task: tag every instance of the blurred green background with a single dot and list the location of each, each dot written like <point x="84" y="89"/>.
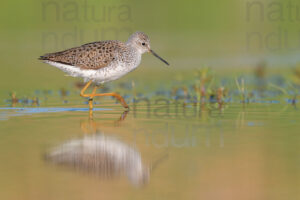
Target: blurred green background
<point x="190" y="34"/>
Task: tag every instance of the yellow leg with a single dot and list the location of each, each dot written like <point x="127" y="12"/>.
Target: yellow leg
<point x="122" y="118"/>
<point x="91" y="114"/>
<point x="84" y="89"/>
<point x="117" y="96"/>
<point x="91" y="96"/>
<point x="88" y="95"/>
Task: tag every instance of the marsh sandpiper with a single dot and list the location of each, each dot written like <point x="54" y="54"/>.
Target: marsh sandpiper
<point x="102" y="61"/>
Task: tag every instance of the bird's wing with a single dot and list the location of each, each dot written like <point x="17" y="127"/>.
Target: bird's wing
<point x="94" y="55"/>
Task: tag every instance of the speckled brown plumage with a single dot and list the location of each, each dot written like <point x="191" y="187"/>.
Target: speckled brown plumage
<point x="94" y="55"/>
<point x="102" y="61"/>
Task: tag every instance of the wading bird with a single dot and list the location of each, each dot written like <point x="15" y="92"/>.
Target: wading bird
<point x="102" y="61"/>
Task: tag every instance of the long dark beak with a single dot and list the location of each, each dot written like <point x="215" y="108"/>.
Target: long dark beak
<point x="159" y="57"/>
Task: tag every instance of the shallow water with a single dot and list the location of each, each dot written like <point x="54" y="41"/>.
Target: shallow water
<point x="244" y="151"/>
<point x="52" y="147"/>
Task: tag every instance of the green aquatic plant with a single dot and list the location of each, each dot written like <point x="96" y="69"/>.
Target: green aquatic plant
<point x="13" y="99"/>
<point x="203" y="83"/>
<point x="241" y="89"/>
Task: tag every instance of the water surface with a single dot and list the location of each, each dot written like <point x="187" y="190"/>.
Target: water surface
<point x="242" y="152"/>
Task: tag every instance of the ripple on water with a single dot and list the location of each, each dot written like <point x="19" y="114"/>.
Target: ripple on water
<point x="7" y="112"/>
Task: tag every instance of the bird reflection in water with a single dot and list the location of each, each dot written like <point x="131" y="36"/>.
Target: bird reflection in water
<point x="91" y="126"/>
<point x="105" y="156"/>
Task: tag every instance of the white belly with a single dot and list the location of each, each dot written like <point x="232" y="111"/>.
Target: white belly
<point x="102" y="75"/>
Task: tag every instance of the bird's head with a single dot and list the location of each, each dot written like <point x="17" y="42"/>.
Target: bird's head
<point x="141" y="42"/>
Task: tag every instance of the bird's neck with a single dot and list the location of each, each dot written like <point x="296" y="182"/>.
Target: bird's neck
<point x="134" y="47"/>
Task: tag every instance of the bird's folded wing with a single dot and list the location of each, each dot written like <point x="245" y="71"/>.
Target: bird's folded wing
<point x="94" y="55"/>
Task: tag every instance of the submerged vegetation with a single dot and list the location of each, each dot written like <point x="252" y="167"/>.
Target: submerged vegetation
<point x="202" y="88"/>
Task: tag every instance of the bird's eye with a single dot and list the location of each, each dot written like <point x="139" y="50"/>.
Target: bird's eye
<point x="143" y="43"/>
